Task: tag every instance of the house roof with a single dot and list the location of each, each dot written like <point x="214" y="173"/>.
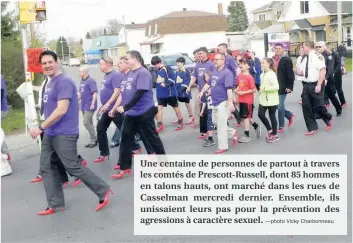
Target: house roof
<point x="263" y="24"/>
<point x="303" y="24"/>
<point x="152" y="40"/>
<point x="135" y="26"/>
<point x="345" y="20"/>
<point x="119" y="45"/>
<point x="180" y="22"/>
<point x="331" y="7"/>
<point x="265" y="7"/>
<point x="276" y="28"/>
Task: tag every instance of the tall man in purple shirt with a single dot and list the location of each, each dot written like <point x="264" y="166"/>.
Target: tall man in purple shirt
<point x="61" y="132"/>
<point x="202" y="67"/>
<point x="221" y="83"/>
<point x="4" y="109"/>
<point x="109" y="93"/>
<point x="230" y="62"/>
<point x="88" y="96"/>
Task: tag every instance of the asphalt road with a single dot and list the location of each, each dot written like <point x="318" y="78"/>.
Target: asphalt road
<point x="21" y="200"/>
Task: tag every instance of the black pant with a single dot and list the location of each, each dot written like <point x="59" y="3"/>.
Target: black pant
<point x="132" y="124"/>
<point x="145" y="141"/>
<point x="272" y="114"/>
<point x="102" y="127"/>
<point x="314" y="101"/>
<point x="338" y="85"/>
<point x="203" y="120"/>
<point x="330" y="94"/>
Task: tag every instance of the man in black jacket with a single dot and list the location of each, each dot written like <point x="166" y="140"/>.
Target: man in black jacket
<point x="338" y="76"/>
<point x="330" y="90"/>
<point x="286" y="77"/>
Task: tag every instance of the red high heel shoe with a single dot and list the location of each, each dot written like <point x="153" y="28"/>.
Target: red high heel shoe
<point x="139" y="151"/>
<point x="179" y="127"/>
<point x="101" y="159"/>
<point x="8" y="157"/>
<point x="310" y="133"/>
<point x="37" y="179"/>
<point x="76" y="183"/>
<point x="220" y="151"/>
<point x="175" y="122"/>
<point x="235" y="139"/>
<point x="105" y="202"/>
<point x="121" y="174"/>
<point x="117" y="167"/>
<point x="191" y="121"/>
<point x="84" y="162"/>
<point x="66" y="184"/>
<point x="160" y="128"/>
<point x="49" y="211"/>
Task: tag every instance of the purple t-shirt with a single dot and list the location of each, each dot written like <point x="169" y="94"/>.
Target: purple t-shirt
<point x="139" y="79"/>
<point x="88" y="87"/>
<point x="200" y="70"/>
<point x="59" y="88"/>
<point x="111" y="81"/>
<point x="3" y="95"/>
<point x="232" y="66"/>
<point x="220" y="82"/>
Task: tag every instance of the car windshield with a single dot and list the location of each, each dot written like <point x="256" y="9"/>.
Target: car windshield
<point x="171" y="60"/>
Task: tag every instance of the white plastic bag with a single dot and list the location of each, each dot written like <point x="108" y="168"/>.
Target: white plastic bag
<point x="5" y="165"/>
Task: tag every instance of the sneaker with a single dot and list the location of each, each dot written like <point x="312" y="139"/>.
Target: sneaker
<point x="258" y="131"/>
<point x="209" y="143"/>
<point x="273" y="138"/>
<point x="244" y="139"/>
<point x="114" y="144"/>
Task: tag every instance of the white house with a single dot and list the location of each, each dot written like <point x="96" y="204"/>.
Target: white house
<point x="130" y="37"/>
<point x="183" y="32"/>
<point x="269" y="12"/>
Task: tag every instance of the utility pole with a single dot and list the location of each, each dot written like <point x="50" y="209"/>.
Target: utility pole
<point x="339" y="21"/>
<point x="62" y="48"/>
<point x="125" y="33"/>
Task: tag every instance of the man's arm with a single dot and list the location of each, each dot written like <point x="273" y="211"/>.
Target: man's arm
<point x="94" y="99"/>
<point x="117" y="103"/>
<point x="322" y="76"/>
<point x="337" y="64"/>
<point x="290" y="74"/>
<point x="57" y="114"/>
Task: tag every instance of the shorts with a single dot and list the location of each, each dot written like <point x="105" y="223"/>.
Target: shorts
<point x="184" y="100"/>
<point x="172" y="101"/>
<point x="246" y="110"/>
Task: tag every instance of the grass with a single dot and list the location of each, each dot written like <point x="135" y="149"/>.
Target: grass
<point x="348" y="64"/>
<point x="14" y="121"/>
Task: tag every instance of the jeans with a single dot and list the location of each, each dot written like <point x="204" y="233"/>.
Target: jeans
<point x="282" y="112"/>
<point x="116" y="137"/>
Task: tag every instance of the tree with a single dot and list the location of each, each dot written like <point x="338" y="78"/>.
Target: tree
<point x="62" y="48"/>
<point x="114" y="25"/>
<point x="237" y="18"/>
<point x="97" y="32"/>
<point x="52" y="44"/>
<point x="12" y="65"/>
<point x="88" y="36"/>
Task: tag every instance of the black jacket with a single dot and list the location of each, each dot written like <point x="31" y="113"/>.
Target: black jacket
<point x="330" y="64"/>
<point x="337" y="64"/>
<point x="285" y="75"/>
<point x="342" y="51"/>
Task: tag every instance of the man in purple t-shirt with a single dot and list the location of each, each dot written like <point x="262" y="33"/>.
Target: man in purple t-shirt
<point x="221" y="83"/>
<point x="88" y="96"/>
<point x="4" y="109"/>
<point x="61" y="132"/>
<point x="202" y="67"/>
<point x="109" y="93"/>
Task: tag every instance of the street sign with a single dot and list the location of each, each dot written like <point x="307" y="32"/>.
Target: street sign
<point x="33" y="64"/>
<point x="27" y="12"/>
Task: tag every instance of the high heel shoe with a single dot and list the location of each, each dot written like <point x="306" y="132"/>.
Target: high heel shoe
<point x="235" y="139"/>
<point x="37" y="179"/>
<point x="105" y="202"/>
<point x="117" y="167"/>
<point x="76" y="183"/>
<point x="49" y="211"/>
<point x="139" y="151"/>
<point x="101" y="158"/>
<point x="121" y="174"/>
<point x="66" y="184"/>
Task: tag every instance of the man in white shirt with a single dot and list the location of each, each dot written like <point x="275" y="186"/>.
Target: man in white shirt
<point x="313" y="71"/>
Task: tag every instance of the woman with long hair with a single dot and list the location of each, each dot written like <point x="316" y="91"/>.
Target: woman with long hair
<point x="139" y="112"/>
<point x="269" y="98"/>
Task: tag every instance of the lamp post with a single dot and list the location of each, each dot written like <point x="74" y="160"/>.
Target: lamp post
<point x="62" y="48"/>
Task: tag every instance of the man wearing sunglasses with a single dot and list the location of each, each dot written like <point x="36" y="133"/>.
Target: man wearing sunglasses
<point x="330" y="90"/>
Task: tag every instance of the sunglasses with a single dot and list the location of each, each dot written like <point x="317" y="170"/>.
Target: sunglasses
<point x="317" y="47"/>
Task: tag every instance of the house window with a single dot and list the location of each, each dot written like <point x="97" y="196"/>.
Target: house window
<point x="279" y="13"/>
<point x="304" y="7"/>
<point x="262" y="17"/>
<point x="149" y="30"/>
<point x="155" y="29"/>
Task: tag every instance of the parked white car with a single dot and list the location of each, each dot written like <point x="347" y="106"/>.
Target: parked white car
<point x="74" y="62"/>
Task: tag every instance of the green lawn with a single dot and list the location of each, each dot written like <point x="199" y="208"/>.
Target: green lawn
<point x="348" y="64"/>
<point x="14" y="121"/>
